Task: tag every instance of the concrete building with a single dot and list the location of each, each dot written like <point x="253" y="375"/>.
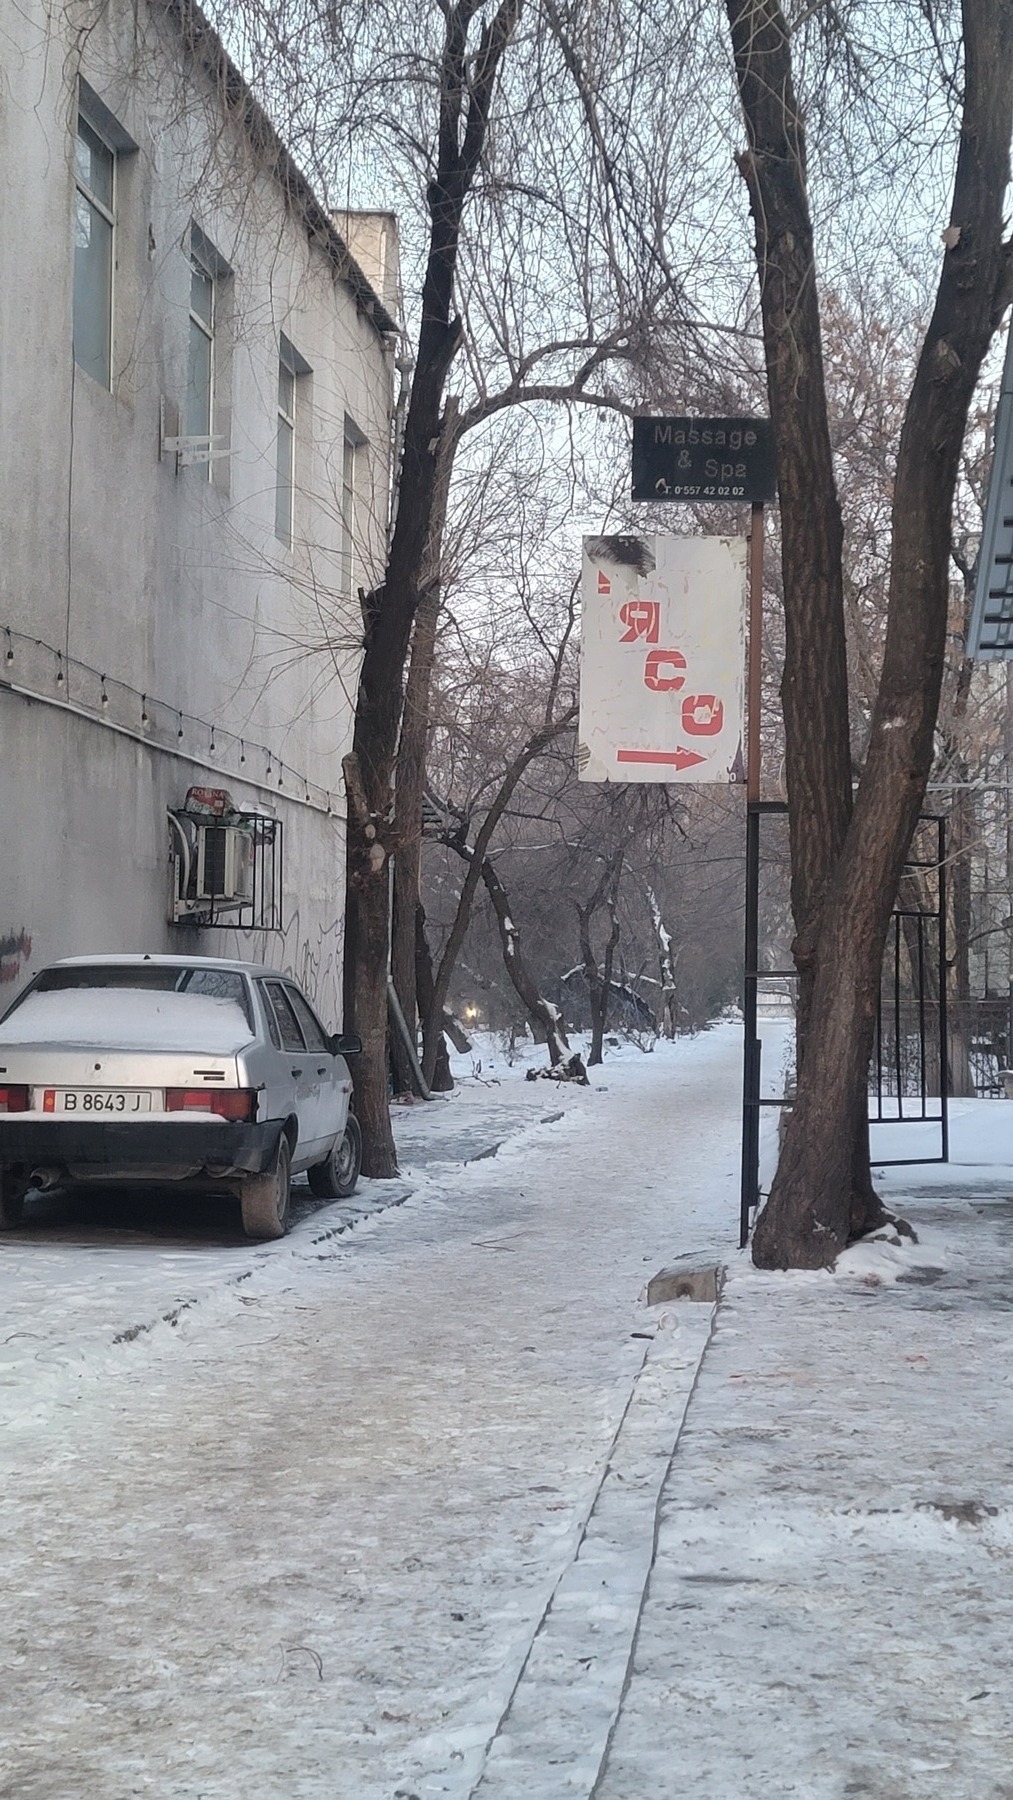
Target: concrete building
<point x="171" y="619"/>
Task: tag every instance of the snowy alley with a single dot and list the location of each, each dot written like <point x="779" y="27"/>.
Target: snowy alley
<point x="371" y="1513"/>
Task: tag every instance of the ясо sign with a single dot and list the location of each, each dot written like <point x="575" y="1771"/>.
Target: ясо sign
<point x="703" y="459"/>
<point x="661" y="659"/>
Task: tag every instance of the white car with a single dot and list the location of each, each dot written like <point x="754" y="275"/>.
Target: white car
<point x="177" y="1069"/>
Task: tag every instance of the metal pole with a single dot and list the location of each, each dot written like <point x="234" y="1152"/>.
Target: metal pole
<point x="897" y="1046"/>
<point x="750" y="1042"/>
<point x="750" y="1185"/>
<point x="944" y="1033"/>
<point x="755" y="662"/>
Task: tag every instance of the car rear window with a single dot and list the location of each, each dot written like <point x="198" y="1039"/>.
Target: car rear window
<point x="160" y="978"/>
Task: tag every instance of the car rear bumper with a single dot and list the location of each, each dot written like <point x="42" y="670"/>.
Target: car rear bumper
<point x="150" y="1149"/>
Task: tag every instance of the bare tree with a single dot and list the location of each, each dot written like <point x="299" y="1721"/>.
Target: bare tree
<point x="456" y="833"/>
<point x="599" y="976"/>
<point x="668" y="1010"/>
<point x="524" y="341"/>
<point x="847" y="860"/>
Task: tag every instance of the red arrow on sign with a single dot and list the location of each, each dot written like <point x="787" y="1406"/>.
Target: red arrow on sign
<point x="672" y="759"/>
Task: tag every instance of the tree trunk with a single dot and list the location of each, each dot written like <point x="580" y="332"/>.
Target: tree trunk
<point x="607" y="963"/>
<point x="411" y="773"/>
<point x="809" y="1215"/>
<point x="814" y="686"/>
<point x="368" y="1010"/>
<point x="599" y="982"/>
<point x="543" y="1015"/>
<point x="668" y="1011"/>
<point x="467" y="82"/>
<point x="411" y="759"/>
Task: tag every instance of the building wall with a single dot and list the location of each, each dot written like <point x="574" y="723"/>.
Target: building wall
<point x="154" y="631"/>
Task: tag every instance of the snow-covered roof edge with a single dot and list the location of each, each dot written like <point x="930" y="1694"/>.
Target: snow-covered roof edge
<point x="203" y="41"/>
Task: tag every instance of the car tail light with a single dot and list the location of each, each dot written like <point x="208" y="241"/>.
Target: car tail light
<point x="228" y="1103"/>
<point x="13" y="1099"/>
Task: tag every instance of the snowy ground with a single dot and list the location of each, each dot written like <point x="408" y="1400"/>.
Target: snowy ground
<point x="371" y="1514"/>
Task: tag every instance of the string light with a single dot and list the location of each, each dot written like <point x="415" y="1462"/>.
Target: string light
<point x="149" y="723"/>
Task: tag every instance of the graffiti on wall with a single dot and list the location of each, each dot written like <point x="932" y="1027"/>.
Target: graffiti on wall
<point x="15" y="951"/>
<point x="316" y="966"/>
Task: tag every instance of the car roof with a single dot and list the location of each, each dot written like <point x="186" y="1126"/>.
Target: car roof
<point x="140" y="959"/>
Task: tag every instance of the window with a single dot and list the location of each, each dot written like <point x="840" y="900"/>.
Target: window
<point x="288" y="1024"/>
<point x="286" y="444"/>
<point x="149" y="978"/>
<point x="352" y="448"/>
<point x="292" y="440"/>
<point x="205" y="420"/>
<point x="312" y="1030"/>
<point x="272" y="1024"/>
<point x="94" y="223"/>
<point x="201" y="363"/>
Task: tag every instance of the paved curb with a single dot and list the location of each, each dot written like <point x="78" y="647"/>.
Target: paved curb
<point x="575" y="1668"/>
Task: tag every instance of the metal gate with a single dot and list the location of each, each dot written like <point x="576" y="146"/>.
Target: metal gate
<point x="908" y="1079"/>
<point x="908" y="1076"/>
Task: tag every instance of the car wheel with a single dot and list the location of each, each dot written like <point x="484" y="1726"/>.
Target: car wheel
<point x="12" y="1201"/>
<point x="265" y="1198"/>
<point x="336" y="1176"/>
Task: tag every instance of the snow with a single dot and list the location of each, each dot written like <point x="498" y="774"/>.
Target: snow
<point x="427" y="1501"/>
<point x="129" y="1019"/>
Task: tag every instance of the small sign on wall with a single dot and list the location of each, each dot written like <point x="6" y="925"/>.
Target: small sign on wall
<point x="661" y="660"/>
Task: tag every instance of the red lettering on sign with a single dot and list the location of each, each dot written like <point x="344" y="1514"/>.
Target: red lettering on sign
<point x="675" y="759"/>
<point x="657" y="661"/>
<point x="604" y="584"/>
<point x="703" y="715"/>
<point x="642" y="619"/>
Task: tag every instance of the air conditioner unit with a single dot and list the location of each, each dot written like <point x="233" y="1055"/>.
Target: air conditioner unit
<point x="224" y="864"/>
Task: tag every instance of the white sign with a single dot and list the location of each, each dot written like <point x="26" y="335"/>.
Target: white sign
<point x="661" y="659"/>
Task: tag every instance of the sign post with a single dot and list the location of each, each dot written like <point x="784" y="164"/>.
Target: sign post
<point x="750" y="1173"/>
<point x="728" y="459"/>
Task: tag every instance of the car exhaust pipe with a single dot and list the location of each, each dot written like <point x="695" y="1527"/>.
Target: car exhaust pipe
<point x="44" y="1178"/>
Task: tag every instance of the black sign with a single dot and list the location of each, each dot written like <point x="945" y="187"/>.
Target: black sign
<point x="703" y="459"/>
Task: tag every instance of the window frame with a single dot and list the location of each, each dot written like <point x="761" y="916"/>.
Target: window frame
<point x="269" y="985"/>
<point x="106" y="212"/>
<point x="352" y="446"/>
<point x="199" y="262"/>
<point x="299" y="1004"/>
<point x="286" y="422"/>
<point x="296" y="423"/>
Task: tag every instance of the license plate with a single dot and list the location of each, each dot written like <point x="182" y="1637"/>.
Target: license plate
<point x="90" y="1101"/>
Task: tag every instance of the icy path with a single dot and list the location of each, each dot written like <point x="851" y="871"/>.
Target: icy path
<point x="296" y="1544"/>
<point x="831" y="1609"/>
